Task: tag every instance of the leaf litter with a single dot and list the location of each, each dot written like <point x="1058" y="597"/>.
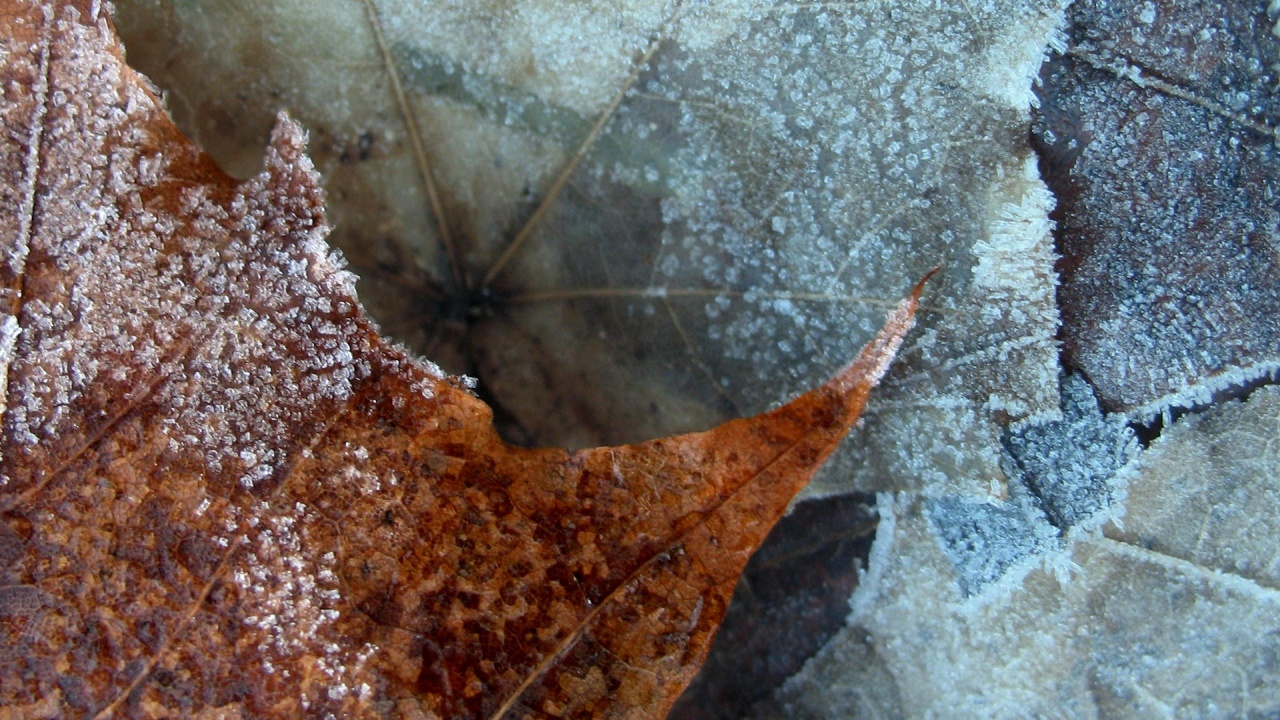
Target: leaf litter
<point x="499" y="129"/>
<point x="224" y="494"/>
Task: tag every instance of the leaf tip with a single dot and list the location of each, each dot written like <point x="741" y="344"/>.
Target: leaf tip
<point x="287" y="163"/>
<point x="873" y="362"/>
<point x="919" y="287"/>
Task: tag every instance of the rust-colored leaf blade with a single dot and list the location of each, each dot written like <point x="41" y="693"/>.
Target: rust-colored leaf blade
<point x="222" y="494"/>
<point x="687" y="515"/>
<point x="586" y="584"/>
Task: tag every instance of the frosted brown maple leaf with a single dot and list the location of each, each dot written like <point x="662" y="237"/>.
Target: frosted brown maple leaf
<point x="224" y="496"/>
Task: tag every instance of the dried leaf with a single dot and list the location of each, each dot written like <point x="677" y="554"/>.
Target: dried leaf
<point x="224" y="495"/>
<point x="1158" y="125"/>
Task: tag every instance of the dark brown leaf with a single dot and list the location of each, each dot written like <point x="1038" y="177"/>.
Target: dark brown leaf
<point x="1158" y="130"/>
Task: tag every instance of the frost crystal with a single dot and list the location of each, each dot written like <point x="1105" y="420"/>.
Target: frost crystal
<point x="1176" y="611"/>
<point x="986" y="540"/>
<point x="1064" y="477"/>
<point x="9" y="332"/>
<point x="1070" y="465"/>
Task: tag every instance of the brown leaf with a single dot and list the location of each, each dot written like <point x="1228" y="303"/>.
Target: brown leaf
<point x="1157" y="125"/>
<point x="223" y="495"/>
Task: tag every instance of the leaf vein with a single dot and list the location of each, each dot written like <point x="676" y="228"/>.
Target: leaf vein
<point x="584" y="147"/>
<point x="419" y="152"/>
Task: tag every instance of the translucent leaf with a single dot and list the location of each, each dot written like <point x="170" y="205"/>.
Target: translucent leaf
<point x="647" y="217"/>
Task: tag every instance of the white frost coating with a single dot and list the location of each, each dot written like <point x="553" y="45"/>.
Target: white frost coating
<point x="1015" y="255"/>
<point x="571" y="54"/>
<point x="1066" y="477"/>
<point x="1043" y="650"/>
<point x="425" y="387"/>
<point x="1224" y="464"/>
<point x="9" y="332"/>
<point x="872" y="578"/>
<point x="1015" y="258"/>
<point x="224" y="321"/>
<point x="1201" y="393"/>
<point x="16" y="250"/>
<point x="291" y="597"/>
<point x="1176" y="613"/>
<point x="1004" y="77"/>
